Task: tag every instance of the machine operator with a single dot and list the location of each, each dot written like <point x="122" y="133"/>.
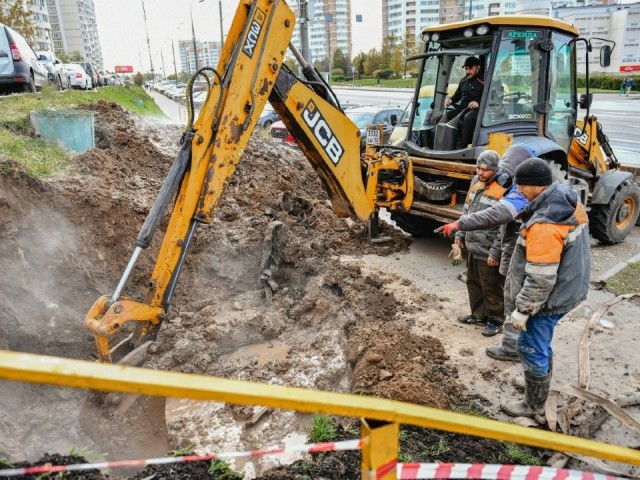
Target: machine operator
<point x="467" y="99"/>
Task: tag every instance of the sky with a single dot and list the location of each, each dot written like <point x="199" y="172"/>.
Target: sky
<point x="121" y="28"/>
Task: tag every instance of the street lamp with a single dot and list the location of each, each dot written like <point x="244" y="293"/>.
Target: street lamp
<point x="221" y="28"/>
<point x="144" y="14"/>
<point x="193" y="32"/>
<point x="328" y="18"/>
<point x="175" y="69"/>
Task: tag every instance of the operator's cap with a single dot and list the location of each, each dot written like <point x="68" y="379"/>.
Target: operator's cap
<point x="534" y="172"/>
<point x="488" y="160"/>
<point x="471" y="62"/>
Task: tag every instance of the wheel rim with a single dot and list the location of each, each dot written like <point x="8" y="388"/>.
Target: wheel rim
<point x="625" y="213"/>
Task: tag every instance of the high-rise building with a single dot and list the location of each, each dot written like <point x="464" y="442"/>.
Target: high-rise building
<point x="208" y="55"/>
<point x="329" y="27"/>
<point x="403" y="18"/>
<point x="41" y="24"/>
<point x="74" y="29"/>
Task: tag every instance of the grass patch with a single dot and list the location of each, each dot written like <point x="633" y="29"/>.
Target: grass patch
<point x="520" y="456"/>
<point x="221" y="470"/>
<point x="14" y="109"/>
<point x="42" y="159"/>
<point x="626" y="280"/>
<point x="323" y="429"/>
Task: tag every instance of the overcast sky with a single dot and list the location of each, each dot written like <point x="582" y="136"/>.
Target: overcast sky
<point x="123" y="38"/>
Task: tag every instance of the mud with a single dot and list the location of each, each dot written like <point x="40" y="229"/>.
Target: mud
<point x="318" y="324"/>
<point x="276" y="289"/>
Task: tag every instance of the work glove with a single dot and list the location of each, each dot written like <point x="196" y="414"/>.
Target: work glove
<point x="519" y="320"/>
<point x="455" y="255"/>
<point x="449" y="229"/>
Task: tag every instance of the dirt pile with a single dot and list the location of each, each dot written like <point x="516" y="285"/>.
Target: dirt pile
<point x="270" y="291"/>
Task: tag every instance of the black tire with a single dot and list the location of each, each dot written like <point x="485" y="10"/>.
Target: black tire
<point x="31" y="86"/>
<point x="59" y="84"/>
<point x="267" y="124"/>
<point x="611" y="223"/>
<point x="414" y="224"/>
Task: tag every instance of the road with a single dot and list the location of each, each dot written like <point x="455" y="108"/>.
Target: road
<point x="619" y="115"/>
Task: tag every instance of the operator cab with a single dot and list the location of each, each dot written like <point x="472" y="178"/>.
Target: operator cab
<point x="529" y="87"/>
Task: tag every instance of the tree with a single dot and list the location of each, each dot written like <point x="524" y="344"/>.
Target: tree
<point x="372" y="62"/>
<point x="138" y="79"/>
<point x="397" y="59"/>
<point x="74" y="56"/>
<point x="340" y="61"/>
<point x="18" y="16"/>
<point x="358" y="62"/>
<point x="388" y="46"/>
<point x="292" y="64"/>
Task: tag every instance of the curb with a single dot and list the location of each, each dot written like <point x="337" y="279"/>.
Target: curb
<point x="601" y="281"/>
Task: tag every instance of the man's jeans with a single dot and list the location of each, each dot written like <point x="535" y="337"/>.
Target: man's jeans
<point x="534" y="345"/>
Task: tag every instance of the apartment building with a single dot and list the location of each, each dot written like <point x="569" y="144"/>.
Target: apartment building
<point x="402" y="18"/>
<point x="74" y="29"/>
<point x="41" y="24"/>
<point x="329" y="24"/>
<point x="208" y="54"/>
<point x="617" y="22"/>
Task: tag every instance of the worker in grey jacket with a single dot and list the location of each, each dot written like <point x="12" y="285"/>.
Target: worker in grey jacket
<point x="548" y="275"/>
<point x="502" y="213"/>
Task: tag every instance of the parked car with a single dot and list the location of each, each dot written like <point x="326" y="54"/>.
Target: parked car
<point x="103" y="80"/>
<point x="20" y="68"/>
<point x="92" y="71"/>
<point x="78" y="77"/>
<point x="388" y="117"/>
<point x="56" y="74"/>
<point x="199" y="98"/>
<point x="267" y="117"/>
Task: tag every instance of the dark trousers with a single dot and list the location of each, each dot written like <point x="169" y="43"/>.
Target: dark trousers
<point x="468" y="126"/>
<point x="486" y="290"/>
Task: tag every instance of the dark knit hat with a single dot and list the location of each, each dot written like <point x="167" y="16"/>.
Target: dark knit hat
<point x="535" y="172"/>
<point x="488" y="159"/>
<point x="471" y="62"/>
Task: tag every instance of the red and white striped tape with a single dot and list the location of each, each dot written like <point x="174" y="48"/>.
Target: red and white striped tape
<point x="310" y="448"/>
<point x="493" y="472"/>
<point x="404" y="470"/>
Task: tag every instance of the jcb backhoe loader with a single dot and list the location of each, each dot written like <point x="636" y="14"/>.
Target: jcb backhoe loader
<point x="529" y="67"/>
<point x="529" y="96"/>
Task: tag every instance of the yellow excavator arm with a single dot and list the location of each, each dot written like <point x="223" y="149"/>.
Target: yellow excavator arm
<point x="250" y="73"/>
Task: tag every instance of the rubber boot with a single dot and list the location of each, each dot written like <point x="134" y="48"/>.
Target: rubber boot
<point x="507" y="352"/>
<point x="519" y="382"/>
<point x="535" y="395"/>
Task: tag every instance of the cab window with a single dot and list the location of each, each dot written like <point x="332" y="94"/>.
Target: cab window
<point x="514" y="89"/>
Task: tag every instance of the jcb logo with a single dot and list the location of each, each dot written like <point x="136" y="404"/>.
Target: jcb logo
<point x="254" y="33"/>
<point x="320" y="129"/>
<point x="582" y="137"/>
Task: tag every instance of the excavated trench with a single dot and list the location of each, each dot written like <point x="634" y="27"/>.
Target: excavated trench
<point x="276" y="289"/>
<point x="320" y="322"/>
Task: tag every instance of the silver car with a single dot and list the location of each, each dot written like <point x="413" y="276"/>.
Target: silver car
<point x="20" y="68"/>
<point x="57" y="75"/>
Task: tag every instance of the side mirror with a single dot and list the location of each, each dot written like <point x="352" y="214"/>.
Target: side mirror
<point x="585" y="100"/>
<point x="393" y="118"/>
<point x="605" y="55"/>
<point x="42" y="58"/>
